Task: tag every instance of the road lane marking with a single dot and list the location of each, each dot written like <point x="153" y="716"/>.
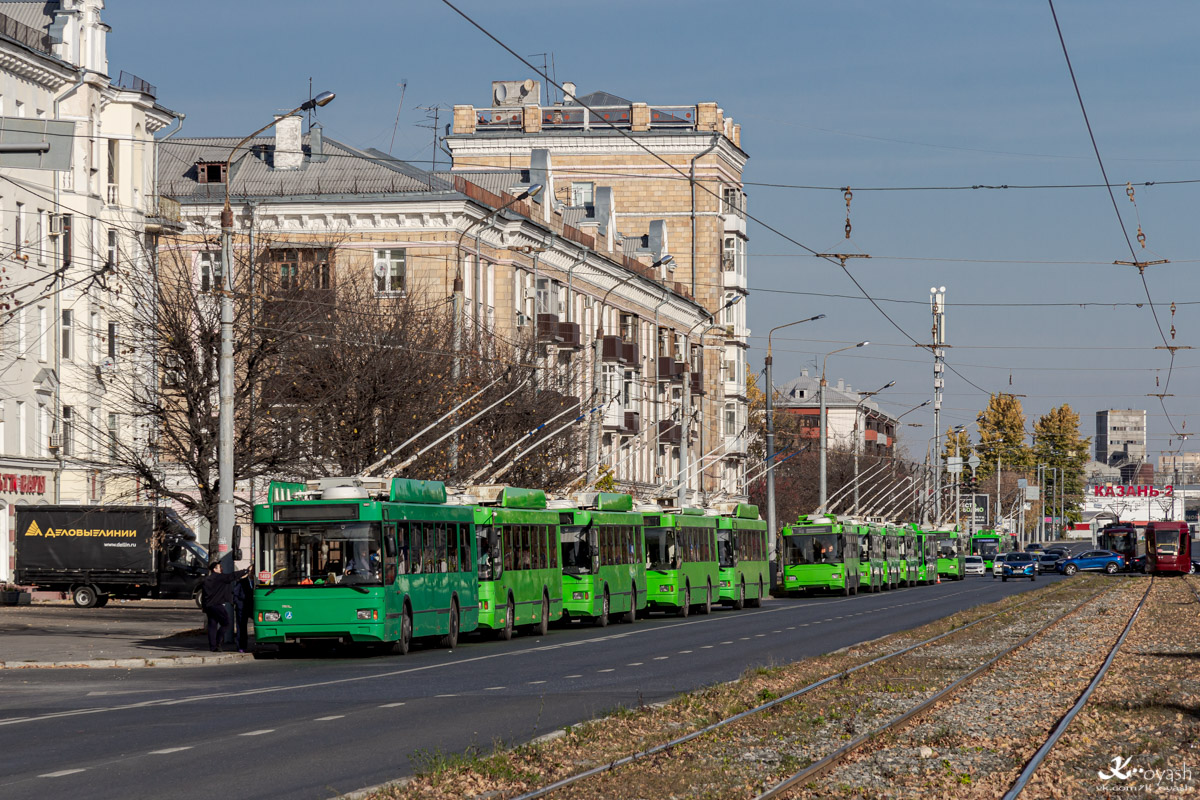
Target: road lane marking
<point x="391" y="705"/>
<point x="685" y="651"/>
<point x="60" y="773"/>
<point x="330" y="719"/>
<point x="610" y="669"/>
<point x="657" y="630"/>
<point x="706" y="647"/>
<point x="169" y="750"/>
<point x="494" y="688"/>
<point x="635" y="664"/>
<point x="572" y="676"/>
<point x="661" y="658"/>
<point x="257" y="733"/>
<point x="535" y="683"/>
<point x="445" y="695"/>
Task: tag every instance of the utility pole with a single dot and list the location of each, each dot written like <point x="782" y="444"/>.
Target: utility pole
<point x="432" y="115"/>
<point x="937" y="304"/>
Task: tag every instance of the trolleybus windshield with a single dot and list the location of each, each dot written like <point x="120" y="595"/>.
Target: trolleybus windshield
<point x="578" y="546"/>
<point x="661" y="552"/>
<point x="987" y="548"/>
<point x="326" y="553"/>
<point x="947" y="548"/>
<point x="1166" y="543"/>
<point x="809" y="548"/>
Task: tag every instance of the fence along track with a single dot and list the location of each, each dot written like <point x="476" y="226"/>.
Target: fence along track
<point x="819" y="768"/>
<point x="620" y="762"/>
<point x="1038" y="757"/>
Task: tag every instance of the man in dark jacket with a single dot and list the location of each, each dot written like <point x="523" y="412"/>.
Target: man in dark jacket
<point x="215" y="598"/>
<point x="243" y="610"/>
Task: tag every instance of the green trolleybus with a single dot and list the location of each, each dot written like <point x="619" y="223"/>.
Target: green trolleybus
<point x="989" y="544"/>
<point x="681" y="560"/>
<point x="912" y="567"/>
<point x="893" y="561"/>
<point x="872" y="560"/>
<point x="603" y="563"/>
<point x="520" y="581"/>
<point x="745" y="569"/>
<point x="950" y="554"/>
<point x="355" y="560"/>
<point x="820" y="553"/>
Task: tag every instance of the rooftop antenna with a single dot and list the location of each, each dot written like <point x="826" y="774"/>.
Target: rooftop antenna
<point x="403" y="89"/>
<point x="432" y="113"/>
<point x="545" y="98"/>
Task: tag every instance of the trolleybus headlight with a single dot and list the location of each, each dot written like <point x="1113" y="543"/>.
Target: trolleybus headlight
<point x="726" y="584"/>
<point x="269" y="616"/>
<point x="579" y="595"/>
<point x="665" y="588"/>
<point x="368" y="613"/>
<point x="835" y="576"/>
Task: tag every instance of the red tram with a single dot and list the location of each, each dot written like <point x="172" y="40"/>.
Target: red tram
<point x="1168" y="548"/>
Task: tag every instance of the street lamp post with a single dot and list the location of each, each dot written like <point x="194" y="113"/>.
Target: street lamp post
<point x="225" y="476"/>
<point x="857" y="408"/>
<point x="824" y="424"/>
<point x="771" y="529"/>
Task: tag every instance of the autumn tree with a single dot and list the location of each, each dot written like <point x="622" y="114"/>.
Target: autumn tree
<point x="1058" y="445"/>
<point x="1002" y="436"/>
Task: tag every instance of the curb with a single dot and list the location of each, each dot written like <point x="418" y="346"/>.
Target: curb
<point x="132" y="663"/>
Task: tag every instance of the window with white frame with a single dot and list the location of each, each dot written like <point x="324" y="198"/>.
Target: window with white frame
<point x="583" y="193"/>
<point x="41" y="236"/>
<point x="93" y="434"/>
<point x="43" y="431"/>
<point x="68" y="431"/>
<point x="68" y="333"/>
<point x="631" y="391"/>
<point x="43" y="333"/>
<point x="113" y="249"/>
<point x="208" y="267"/>
<point x="22" y="433"/>
<point x="731" y="419"/>
<point x="93" y="336"/>
<point x="114" y="432"/>
<point x="729" y="254"/>
<point x="22" y="332"/>
<point x="390" y="268"/>
<point x="547" y="296"/>
<point x="113" y="332"/>
<point x="730" y="314"/>
<point x="19" y="248"/>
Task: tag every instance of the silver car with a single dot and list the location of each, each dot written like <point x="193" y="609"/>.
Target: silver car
<point x="973" y="565"/>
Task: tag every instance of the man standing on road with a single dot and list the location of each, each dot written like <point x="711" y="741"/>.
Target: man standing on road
<point x="243" y="610"/>
<point x="216" y="597"/>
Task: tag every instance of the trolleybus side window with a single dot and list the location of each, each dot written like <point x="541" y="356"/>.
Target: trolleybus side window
<point x="402" y="538"/>
<point x="486" y="537"/>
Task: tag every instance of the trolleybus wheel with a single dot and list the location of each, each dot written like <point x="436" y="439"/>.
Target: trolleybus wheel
<point x="85" y="596"/>
<point x="631" y="614"/>
<point x="706" y="606"/>
<point x="602" y="620"/>
<point x="506" y="633"/>
<point x="740" y="602"/>
<point x="450" y="640"/>
<point x="757" y="602"/>
<point x="1110" y="567"/>
<point x="1070" y="569"/>
<point x="405" y="643"/>
<point x="686" y="608"/>
<point x="543" y="627"/>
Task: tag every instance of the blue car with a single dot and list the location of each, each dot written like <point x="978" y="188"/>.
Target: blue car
<point x="1019" y="565"/>
<point x="1095" y="560"/>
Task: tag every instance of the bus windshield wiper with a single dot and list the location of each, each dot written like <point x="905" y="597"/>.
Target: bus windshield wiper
<point x="358" y="589"/>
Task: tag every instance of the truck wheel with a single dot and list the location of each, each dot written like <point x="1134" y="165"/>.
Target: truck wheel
<point x="85" y="596"/>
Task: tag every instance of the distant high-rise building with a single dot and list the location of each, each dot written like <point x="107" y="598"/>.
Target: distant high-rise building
<point x="1121" y="439"/>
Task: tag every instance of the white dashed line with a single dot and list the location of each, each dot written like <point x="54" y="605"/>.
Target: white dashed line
<point x="258" y="733"/>
<point x="445" y="695"/>
<point x="493" y="688"/>
<point x="684" y="651"/>
<point x="791" y="627"/>
<point x="706" y="647"/>
<point x="60" y="773"/>
<point x="330" y="719"/>
<point x="572" y="676"/>
<point x="391" y="705"/>
<point x="635" y="664"/>
<point x="726" y="642"/>
<point x="661" y="658"/>
<point x="606" y="670"/>
<point x="535" y="683"/>
<point x="744" y="639"/>
<point x="759" y="635"/>
<point x="168" y="751"/>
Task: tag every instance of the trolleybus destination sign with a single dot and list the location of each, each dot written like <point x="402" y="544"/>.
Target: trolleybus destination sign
<point x="1133" y="491"/>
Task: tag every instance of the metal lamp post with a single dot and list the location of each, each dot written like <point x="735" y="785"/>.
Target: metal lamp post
<point x="857" y="408"/>
<point x="225" y="478"/>
<point x="771" y="522"/>
<point x="823" y="423"/>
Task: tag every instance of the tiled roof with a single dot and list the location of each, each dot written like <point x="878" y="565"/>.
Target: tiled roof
<point x="495" y="181"/>
<point x="343" y="170"/>
<point x="803" y="392"/>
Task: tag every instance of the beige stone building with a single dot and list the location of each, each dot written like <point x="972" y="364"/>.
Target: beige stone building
<point x="671" y="177"/>
<point x="530" y="268"/>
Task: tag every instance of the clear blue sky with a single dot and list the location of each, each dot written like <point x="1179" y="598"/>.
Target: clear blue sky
<point x="865" y="94"/>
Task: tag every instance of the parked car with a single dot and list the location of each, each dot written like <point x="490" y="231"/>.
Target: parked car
<point x="1061" y="550"/>
<point x="1047" y="561"/>
<point x="1094" y="560"/>
<point x="998" y="566"/>
<point x="973" y="565"/>
<point x="1019" y="565"/>
<point x="1033" y="547"/>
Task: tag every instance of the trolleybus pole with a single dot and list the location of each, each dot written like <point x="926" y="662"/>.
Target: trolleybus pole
<point x="824" y="424"/>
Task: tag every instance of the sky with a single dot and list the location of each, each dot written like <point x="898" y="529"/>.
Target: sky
<point x="901" y="102"/>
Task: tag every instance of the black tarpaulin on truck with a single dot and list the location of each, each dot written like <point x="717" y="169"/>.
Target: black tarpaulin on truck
<point x="116" y="539"/>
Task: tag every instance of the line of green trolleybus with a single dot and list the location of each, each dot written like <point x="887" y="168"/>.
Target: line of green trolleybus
<point x="384" y="563"/>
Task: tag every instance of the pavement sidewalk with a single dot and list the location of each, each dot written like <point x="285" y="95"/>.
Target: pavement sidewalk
<point x="137" y="633"/>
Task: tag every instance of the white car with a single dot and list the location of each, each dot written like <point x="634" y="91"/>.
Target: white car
<point x="997" y="566"/>
<point x="973" y="565"/>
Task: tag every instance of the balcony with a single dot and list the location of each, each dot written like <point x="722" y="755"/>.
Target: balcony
<point x="734" y="223"/>
<point x="163" y="215"/>
<point x="547" y="328"/>
<point x="633" y="423"/>
<point x="568" y="336"/>
<point x="614" y="348"/>
<point x="669" y="369"/>
<point x="669" y="431"/>
<point x="697" y="381"/>
<point x="114" y="194"/>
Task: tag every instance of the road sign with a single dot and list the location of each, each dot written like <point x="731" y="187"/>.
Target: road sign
<point x="954" y="465"/>
<point x="1032" y="492"/>
<point x="973" y="462"/>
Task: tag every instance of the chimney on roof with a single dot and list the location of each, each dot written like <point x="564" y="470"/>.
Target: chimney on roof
<point x="841" y="386"/>
<point x="288" y="153"/>
<point x="316" y="144"/>
<point x="568" y="91"/>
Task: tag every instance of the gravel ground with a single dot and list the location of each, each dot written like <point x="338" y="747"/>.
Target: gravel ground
<point x="739" y="760"/>
<point x="974" y="743"/>
<point x="1146" y="710"/>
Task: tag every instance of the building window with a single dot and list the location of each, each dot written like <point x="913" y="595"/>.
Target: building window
<point x="112" y="248"/>
<point x="68" y="431"/>
<point x="94" y="430"/>
<point x="731" y="419"/>
<point x="547" y="296"/>
<point x="113" y="433"/>
<point x="41" y="236"/>
<point x="729" y="254"/>
<point x="390" y="268"/>
<point x="209" y="267"/>
<point x="94" y="339"/>
<point x="43" y="333"/>
<point x="112" y="341"/>
<point x="729" y="315"/>
<point x="629" y="328"/>
<point x="582" y="193"/>
<point x="68" y="333"/>
<point x="22" y="438"/>
<point x="630" y="391"/>
<point x="22" y="337"/>
<point x="42" y="441"/>
<point x="20" y="229"/>
<point x="112" y="167"/>
<point x="210" y="171"/>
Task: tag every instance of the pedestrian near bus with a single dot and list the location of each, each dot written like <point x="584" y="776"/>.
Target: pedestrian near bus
<point x="243" y="610"/>
<point x="216" y="597"/>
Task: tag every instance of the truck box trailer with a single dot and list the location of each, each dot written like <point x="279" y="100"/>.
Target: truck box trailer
<point x="101" y="552"/>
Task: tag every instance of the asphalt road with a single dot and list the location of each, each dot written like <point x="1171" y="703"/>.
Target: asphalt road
<point x="315" y="728"/>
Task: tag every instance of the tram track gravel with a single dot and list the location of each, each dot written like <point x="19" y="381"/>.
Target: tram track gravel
<point x="739" y="760"/>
